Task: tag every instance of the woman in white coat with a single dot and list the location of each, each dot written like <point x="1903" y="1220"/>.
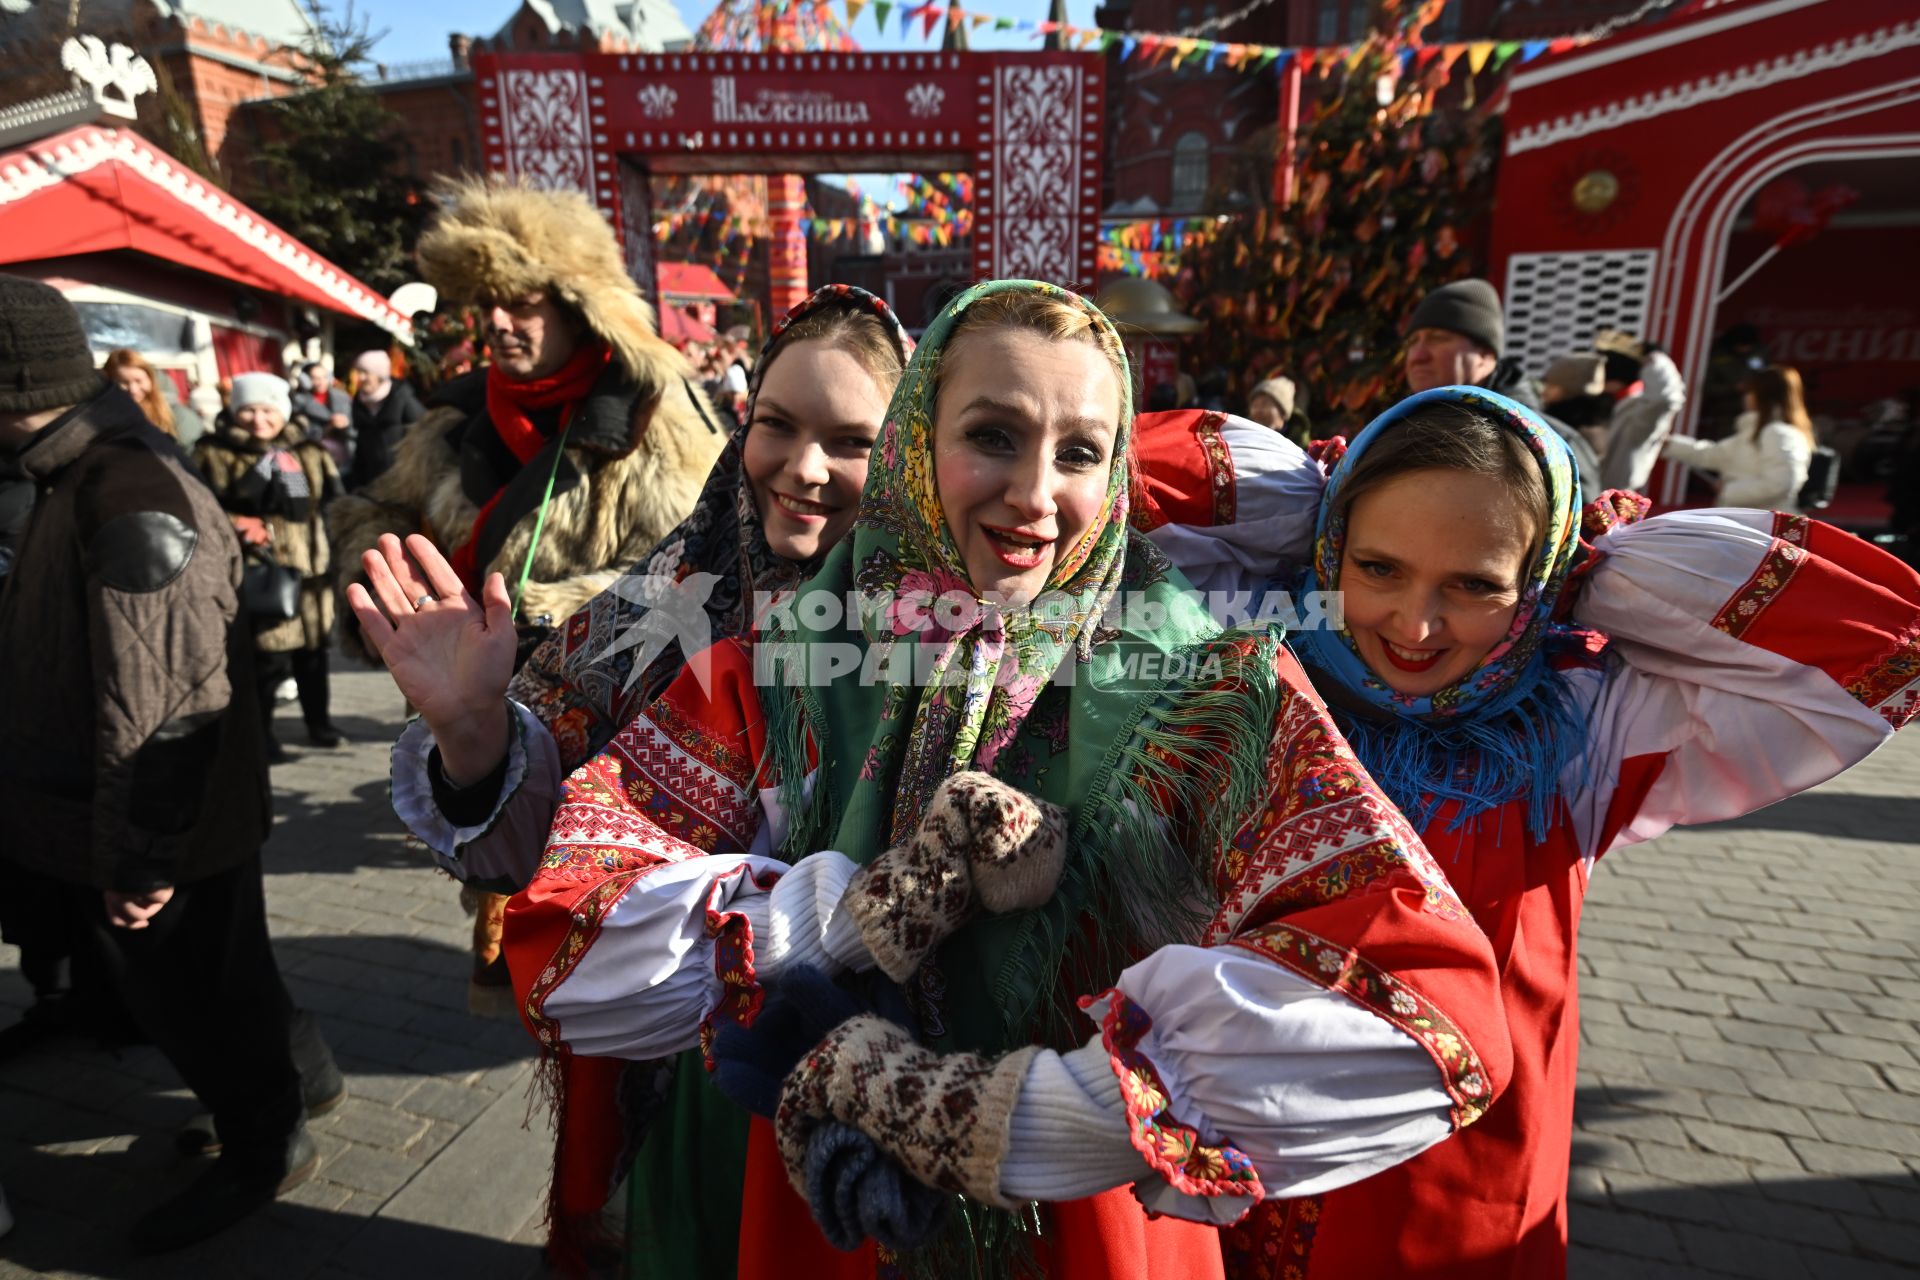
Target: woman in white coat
<point x="1764" y="462"/>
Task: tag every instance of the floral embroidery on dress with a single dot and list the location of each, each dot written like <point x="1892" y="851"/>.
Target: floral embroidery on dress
<point x="1274" y="1242"/>
<point x="1776" y="570"/>
<point x="588" y="915"/>
<point x="1890" y="684"/>
<point x="1791" y="529"/>
<point x="1174" y="1150"/>
<point x="741" y="994"/>
<point x="1219" y="466"/>
<point x="1387" y="995"/>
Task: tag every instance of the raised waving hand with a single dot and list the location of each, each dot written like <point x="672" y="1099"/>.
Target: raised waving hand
<point x="451" y="655"/>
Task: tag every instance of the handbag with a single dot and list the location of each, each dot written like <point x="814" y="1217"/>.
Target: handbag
<point x="269" y="592"/>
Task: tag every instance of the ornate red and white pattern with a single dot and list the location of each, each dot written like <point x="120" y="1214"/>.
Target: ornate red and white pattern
<point x="1775" y="571"/>
<point x="1890" y="684"/>
<point x="688" y="780"/>
<point x="1037" y="154"/>
<point x="547" y="127"/>
<point x="1326" y="833"/>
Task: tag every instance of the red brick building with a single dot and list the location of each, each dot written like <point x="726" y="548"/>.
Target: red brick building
<point x="436" y="103"/>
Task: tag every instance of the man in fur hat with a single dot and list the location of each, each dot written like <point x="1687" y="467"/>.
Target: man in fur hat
<point x="584" y="415"/>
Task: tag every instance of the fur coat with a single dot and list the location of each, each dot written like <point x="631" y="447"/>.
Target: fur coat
<point x="229" y="456"/>
<point x="638" y="448"/>
<point x="633" y="465"/>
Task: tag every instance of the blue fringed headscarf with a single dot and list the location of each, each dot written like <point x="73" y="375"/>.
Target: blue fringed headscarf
<point x="1507" y="730"/>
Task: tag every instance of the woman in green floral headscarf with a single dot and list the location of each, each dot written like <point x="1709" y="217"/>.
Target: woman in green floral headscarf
<point x="998" y="752"/>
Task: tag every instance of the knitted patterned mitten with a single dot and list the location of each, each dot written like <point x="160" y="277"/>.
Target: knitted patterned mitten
<point x="944" y="1117"/>
<point x="980" y="842"/>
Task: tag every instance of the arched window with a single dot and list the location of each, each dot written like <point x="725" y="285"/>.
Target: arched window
<point x="1189" y="171"/>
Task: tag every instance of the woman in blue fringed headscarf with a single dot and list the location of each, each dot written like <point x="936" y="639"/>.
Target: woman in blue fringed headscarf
<point x="1532" y="701"/>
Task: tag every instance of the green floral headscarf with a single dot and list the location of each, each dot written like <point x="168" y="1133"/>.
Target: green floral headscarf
<point x="1071" y="700"/>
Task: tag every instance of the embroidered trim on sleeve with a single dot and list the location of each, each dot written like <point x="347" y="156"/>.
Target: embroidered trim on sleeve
<point x="1174" y="1150"/>
<point x="1219" y="466"/>
<point x="1783" y="559"/>
<point x="1890" y="684"/>
<point x="741" y="994"/>
<point x="1336" y="968"/>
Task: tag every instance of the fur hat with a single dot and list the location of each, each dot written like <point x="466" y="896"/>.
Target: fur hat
<point x="1282" y="391"/>
<point x="499" y="238"/>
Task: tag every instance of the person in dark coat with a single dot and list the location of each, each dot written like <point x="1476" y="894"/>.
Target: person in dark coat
<point x="131" y="775"/>
<point x="383" y="409"/>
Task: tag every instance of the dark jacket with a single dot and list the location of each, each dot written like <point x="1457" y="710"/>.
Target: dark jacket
<point x="315" y="413"/>
<point x="1509" y="380"/>
<point x="130" y="751"/>
<point x="378" y="430"/>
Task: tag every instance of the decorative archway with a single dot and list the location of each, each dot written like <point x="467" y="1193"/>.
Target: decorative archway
<point x="1027" y="125"/>
<point x="1627" y="163"/>
<point x="1882" y="122"/>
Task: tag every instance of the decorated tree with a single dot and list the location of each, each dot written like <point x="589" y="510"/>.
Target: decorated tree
<point x="1390" y="201"/>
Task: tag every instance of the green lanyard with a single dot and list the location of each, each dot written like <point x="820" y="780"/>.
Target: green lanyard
<point x="540" y="521"/>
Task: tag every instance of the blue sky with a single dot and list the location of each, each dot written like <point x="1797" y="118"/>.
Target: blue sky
<point x="417" y="29"/>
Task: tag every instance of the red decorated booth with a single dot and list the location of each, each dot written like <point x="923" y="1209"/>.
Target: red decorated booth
<point x="1747" y="162"/>
<point x="157" y="259"/>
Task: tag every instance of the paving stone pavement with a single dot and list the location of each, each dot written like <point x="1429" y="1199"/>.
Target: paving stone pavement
<point x="1749" y="1098"/>
<point x="429" y="1168"/>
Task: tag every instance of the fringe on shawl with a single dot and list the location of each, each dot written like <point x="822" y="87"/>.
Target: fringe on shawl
<point x="1194" y="767"/>
<point x="1531" y="744"/>
<point x="1196" y="762"/>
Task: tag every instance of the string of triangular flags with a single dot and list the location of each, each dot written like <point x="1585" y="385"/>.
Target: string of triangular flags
<point x="1134" y="263"/>
<point x="1159" y="234"/>
<point x="936" y="212"/>
<point x="1177" y="50"/>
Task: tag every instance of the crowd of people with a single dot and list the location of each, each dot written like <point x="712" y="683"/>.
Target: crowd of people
<point x="861" y="793"/>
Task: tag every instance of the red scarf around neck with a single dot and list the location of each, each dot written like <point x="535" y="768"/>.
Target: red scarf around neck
<point x="509" y="406"/>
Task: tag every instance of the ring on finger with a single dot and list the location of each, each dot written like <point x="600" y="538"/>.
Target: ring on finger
<point x="425" y="600"/>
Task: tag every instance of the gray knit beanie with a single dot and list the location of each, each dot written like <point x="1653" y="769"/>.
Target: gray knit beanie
<point x="44" y="360"/>
<point x="1467" y="307"/>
